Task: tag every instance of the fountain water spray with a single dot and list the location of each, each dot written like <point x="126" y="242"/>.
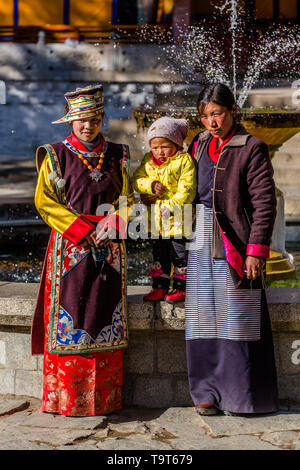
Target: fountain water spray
<point x="231" y="6"/>
<point x="204" y="52"/>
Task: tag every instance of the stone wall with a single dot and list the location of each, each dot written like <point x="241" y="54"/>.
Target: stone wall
<point x="154" y="363"/>
<point x="36" y="76"/>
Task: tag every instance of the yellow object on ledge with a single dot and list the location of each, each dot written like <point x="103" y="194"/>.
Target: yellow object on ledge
<point x="279" y="267"/>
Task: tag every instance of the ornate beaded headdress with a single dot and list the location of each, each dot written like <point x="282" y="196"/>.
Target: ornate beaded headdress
<point x="83" y="103"/>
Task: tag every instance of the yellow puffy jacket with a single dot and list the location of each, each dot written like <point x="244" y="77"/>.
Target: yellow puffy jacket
<point x="178" y="175"/>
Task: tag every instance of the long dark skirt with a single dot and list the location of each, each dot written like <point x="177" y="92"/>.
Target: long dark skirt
<point x="234" y="373"/>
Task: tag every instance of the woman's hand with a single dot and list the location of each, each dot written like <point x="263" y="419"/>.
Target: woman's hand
<point x="105" y="235"/>
<point x="91" y="239"/>
<point x="158" y="188"/>
<point x="253" y="266"/>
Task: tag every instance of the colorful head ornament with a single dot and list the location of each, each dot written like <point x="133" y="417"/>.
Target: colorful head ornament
<point x="83" y="103"/>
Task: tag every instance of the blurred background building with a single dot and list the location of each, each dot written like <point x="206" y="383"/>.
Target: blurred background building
<point x="18" y="17"/>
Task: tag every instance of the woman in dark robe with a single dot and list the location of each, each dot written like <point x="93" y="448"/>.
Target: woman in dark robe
<point x="229" y="343"/>
<point x="80" y="321"/>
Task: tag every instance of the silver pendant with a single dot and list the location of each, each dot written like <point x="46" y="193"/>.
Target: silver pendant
<point x="93" y="154"/>
<point x="96" y="175"/>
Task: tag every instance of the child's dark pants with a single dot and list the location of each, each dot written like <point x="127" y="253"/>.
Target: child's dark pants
<point x="165" y="253"/>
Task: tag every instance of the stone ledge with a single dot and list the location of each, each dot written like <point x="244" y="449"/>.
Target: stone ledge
<point x="155" y="368"/>
<point x="17" y="303"/>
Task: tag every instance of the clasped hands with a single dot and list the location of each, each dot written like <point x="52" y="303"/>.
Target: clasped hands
<point x="158" y="189"/>
<point x="100" y="237"/>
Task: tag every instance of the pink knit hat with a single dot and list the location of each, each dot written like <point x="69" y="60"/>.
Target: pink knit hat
<point x="173" y="129"/>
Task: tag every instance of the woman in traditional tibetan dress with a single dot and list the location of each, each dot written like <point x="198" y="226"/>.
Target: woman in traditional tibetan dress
<point x="80" y="320"/>
<point x="230" y="356"/>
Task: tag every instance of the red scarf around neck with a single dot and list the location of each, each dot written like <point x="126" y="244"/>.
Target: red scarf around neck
<point x="214" y="150"/>
<point x="72" y="139"/>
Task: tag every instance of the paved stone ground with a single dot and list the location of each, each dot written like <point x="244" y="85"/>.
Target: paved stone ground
<point x="24" y="427"/>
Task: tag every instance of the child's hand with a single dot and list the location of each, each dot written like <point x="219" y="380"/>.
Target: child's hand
<point x="158" y="188"/>
<point x="148" y="199"/>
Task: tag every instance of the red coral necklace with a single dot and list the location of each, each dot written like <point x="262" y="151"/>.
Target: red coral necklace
<point x="95" y="172"/>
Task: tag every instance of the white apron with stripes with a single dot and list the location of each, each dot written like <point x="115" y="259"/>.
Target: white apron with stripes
<point x="214" y="307"/>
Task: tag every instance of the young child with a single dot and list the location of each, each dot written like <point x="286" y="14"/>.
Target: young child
<point x="167" y="179"/>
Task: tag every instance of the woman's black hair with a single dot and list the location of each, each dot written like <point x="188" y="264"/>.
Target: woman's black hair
<point x="217" y="93"/>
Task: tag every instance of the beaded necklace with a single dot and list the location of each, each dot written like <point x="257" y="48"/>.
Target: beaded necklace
<point x="95" y="173"/>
